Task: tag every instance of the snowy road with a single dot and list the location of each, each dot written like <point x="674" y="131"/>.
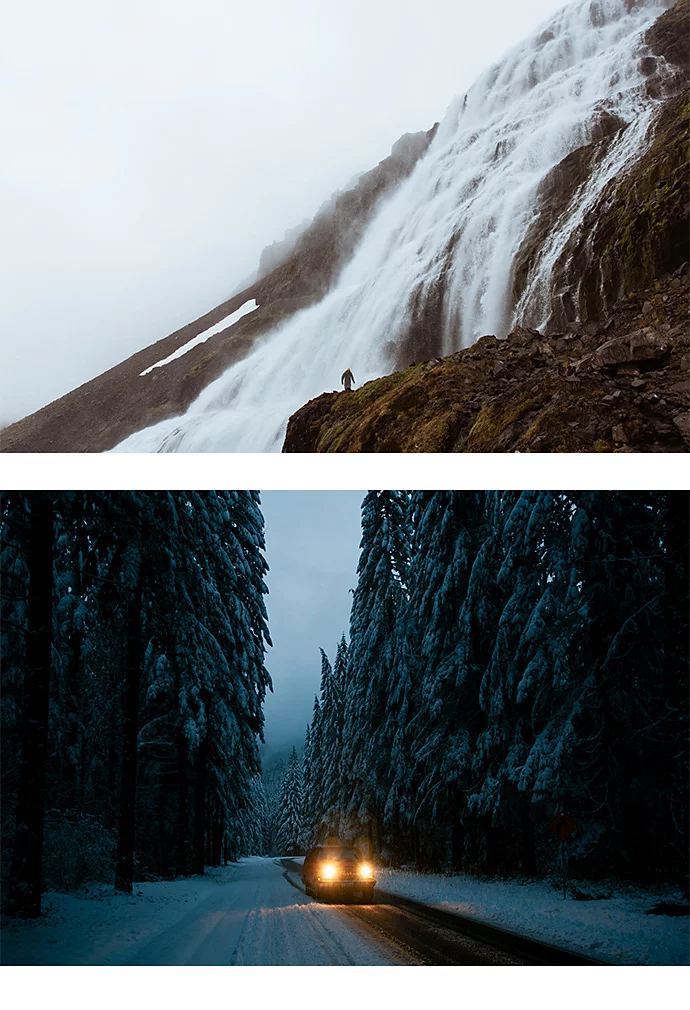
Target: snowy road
<point x="260" y="919"/>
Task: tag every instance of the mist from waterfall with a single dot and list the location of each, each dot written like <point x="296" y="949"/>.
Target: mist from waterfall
<point x="463" y="212"/>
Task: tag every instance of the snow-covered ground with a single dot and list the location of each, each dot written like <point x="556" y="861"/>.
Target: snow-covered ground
<point x="246" y="914"/>
<point x="614" y="928"/>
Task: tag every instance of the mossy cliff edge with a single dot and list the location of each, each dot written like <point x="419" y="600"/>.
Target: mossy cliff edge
<point x="619" y="386"/>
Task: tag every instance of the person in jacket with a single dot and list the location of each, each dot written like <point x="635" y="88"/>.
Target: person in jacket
<point x="347" y="379"/>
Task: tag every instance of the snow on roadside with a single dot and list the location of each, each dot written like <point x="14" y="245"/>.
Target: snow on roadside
<point x="100" y="926"/>
<point x="614" y="928"/>
<point x="230" y="320"/>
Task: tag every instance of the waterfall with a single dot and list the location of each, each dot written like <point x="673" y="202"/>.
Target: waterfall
<point x="458" y="220"/>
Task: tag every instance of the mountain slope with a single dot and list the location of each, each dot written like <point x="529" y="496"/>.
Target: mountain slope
<point x="135" y="394"/>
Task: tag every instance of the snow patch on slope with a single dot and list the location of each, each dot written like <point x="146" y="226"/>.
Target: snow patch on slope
<point x="230" y="320"/>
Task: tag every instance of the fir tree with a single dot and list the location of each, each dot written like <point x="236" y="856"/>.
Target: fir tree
<point x="290" y="829"/>
<point x="378" y="601"/>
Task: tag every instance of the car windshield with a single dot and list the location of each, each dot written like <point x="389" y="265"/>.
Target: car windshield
<point x="339" y="853"/>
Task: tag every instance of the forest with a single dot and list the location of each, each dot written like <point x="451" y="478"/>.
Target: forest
<point x="134" y="634"/>
<point x="512" y="655"/>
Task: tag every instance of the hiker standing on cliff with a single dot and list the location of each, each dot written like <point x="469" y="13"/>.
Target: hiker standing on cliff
<point x="347" y="378"/>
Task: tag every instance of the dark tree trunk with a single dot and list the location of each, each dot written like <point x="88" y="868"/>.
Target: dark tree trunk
<point x="208" y="848"/>
<point x="456" y="840"/>
<point x="182" y="854"/>
<point x="217" y="839"/>
<point x="124" y="867"/>
<point x="24" y="888"/>
<point x="162" y="838"/>
<point x="74" y="766"/>
<point x="200" y="808"/>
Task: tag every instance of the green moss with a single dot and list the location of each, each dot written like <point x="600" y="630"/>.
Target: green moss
<point x="496" y="417"/>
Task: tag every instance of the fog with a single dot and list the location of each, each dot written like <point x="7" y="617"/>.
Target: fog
<point x="312" y="547"/>
<point x="150" y="151"/>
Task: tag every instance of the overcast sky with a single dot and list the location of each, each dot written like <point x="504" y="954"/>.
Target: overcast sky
<point x="312" y="546"/>
<point x="151" y="150"/>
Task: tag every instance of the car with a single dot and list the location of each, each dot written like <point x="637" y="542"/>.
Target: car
<point x="337" y="871"/>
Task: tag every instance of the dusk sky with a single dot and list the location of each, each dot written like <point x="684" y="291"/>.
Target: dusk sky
<point x="312" y="547"/>
<point x="151" y="151"/>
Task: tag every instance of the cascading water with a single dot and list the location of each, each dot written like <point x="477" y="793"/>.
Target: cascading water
<point x="462" y="215"/>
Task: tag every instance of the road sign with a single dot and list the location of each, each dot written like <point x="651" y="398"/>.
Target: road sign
<point x="562" y="826"/>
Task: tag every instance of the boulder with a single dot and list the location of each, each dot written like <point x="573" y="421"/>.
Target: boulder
<point x="638" y="346"/>
<point x="682" y="423"/>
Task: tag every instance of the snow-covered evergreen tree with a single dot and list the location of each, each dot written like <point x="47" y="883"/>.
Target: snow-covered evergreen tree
<point x="379" y="598"/>
<point x="290" y="838"/>
<point x="430" y="756"/>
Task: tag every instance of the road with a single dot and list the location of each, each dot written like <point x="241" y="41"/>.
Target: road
<point x="262" y="917"/>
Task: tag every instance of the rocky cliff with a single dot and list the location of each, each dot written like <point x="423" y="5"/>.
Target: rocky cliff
<point x="615" y="386"/>
<point x="610" y="370"/>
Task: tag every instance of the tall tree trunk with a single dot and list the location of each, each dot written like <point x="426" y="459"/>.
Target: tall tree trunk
<point x="124" y="868"/>
<point x="73" y="767"/>
<point x="217" y="838"/>
<point x="200" y="807"/>
<point x="182" y="853"/>
<point x="162" y="838"/>
<point x="456" y="836"/>
<point x="24" y="888"/>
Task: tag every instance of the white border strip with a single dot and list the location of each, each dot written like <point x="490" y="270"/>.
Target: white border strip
<point x="307" y="471"/>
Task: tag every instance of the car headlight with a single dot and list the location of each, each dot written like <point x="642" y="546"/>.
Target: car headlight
<point x="329" y="871"/>
<point x="365" y="871"/>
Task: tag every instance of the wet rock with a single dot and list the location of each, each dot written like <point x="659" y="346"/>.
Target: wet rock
<point x="639" y="346"/>
<point x="618" y="433"/>
<point x="520" y="336"/>
<point x="647" y="66"/>
<point x="682" y="423"/>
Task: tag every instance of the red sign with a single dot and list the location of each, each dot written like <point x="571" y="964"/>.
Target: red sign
<point x="562" y="826"/>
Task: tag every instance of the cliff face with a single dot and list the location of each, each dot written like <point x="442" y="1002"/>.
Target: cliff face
<point x="619" y="386"/>
<point x="102" y="412"/>
<point x="620" y="282"/>
<point x="638" y="229"/>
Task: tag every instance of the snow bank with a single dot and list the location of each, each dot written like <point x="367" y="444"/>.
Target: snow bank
<point x="100" y="926"/>
<point x="612" y="928"/>
<point x="249" y="306"/>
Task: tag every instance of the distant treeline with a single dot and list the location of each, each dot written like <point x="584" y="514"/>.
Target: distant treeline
<point x="512" y="655"/>
<point x="133" y="638"/>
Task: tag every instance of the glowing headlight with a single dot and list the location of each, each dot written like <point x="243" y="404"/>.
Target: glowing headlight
<point x="365" y="871"/>
<point x="329" y="871"/>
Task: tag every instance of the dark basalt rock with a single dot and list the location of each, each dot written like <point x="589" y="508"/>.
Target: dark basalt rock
<point x="619" y="385"/>
<point x="638" y="230"/>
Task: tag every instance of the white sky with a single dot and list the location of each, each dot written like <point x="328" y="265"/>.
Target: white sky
<point x="152" y="149"/>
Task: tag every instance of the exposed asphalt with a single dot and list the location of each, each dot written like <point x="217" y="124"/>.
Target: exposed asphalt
<point x="425" y="935"/>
